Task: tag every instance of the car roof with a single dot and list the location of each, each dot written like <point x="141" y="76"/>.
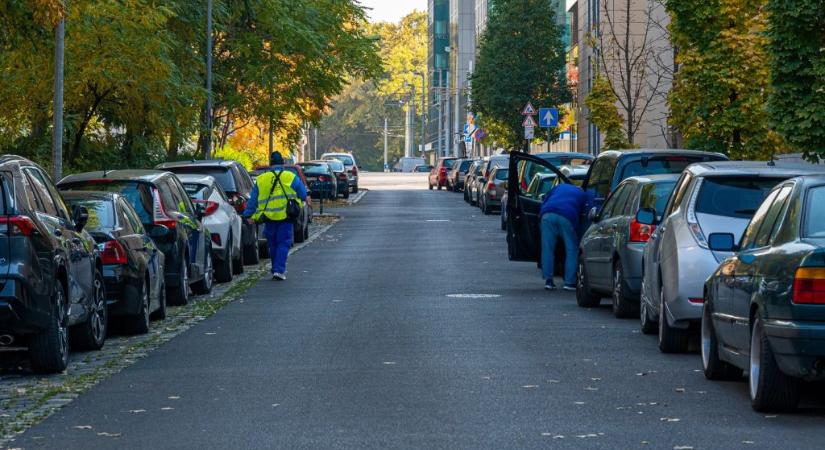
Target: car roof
<point x="89" y="195"/>
<point x="763" y="168"/>
<point x="148" y="176"/>
<point x="647" y="179"/>
<point x="198" y="163"/>
<point x="544" y="155"/>
<point x="196" y="179"/>
<point x="655" y="151"/>
<point x="809" y="180"/>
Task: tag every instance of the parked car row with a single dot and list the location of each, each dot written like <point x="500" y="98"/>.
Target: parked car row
<point x="114" y="245"/>
<point x="726" y="255"/>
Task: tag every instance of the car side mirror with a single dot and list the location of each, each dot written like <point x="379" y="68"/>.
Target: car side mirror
<point x="593" y="215"/>
<point x="646" y="216"/>
<point x="722" y="242"/>
<point x="80" y="216"/>
<point x="159" y="232"/>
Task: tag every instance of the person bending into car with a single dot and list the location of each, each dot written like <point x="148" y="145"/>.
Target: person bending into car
<point x="560" y="213"/>
<point x="268" y="205"/>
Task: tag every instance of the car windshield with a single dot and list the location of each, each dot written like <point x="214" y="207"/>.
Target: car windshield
<point x="335" y="165"/>
<point x="101" y="213"/>
<point x="223" y="175"/>
<point x="655" y="195"/>
<point x="733" y="196"/>
<point x="658" y="165"/>
<point x="815" y="213"/>
<point x="196" y="191"/>
<point x="346" y="159"/>
<point x="138" y="194"/>
<point x="465" y="165"/>
<point x="501" y="174"/>
<point x="314" y="169"/>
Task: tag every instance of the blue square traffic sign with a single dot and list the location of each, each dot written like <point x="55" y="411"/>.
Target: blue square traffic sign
<point x="548" y="117"/>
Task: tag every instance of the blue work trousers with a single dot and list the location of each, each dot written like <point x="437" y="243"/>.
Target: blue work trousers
<point x="279" y="238"/>
<point x="553" y="227"/>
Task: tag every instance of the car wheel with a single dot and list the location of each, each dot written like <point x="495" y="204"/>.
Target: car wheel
<point x="180" y="295"/>
<point x="160" y="313"/>
<point x="770" y="389"/>
<point x="584" y="296"/>
<point x="49" y="350"/>
<point x="346" y="193"/>
<point x="204" y="286"/>
<point x="713" y="367"/>
<point x="622" y="307"/>
<point x="251" y="255"/>
<point x="439" y="186"/>
<point x="648" y="325"/>
<point x="223" y="271"/>
<point x="473" y="199"/>
<point x="139" y="323"/>
<point x="91" y="334"/>
<point x="671" y="340"/>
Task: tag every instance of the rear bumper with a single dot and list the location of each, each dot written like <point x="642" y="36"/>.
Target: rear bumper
<point x="632" y="266"/>
<point x="799" y="347"/>
<point x="122" y="291"/>
<point x="20" y="312"/>
<point x="353" y="182"/>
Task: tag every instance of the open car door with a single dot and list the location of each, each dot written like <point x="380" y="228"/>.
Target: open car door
<point x="523" y="227"/>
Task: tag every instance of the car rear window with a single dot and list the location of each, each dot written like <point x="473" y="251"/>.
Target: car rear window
<point x="196" y="191"/>
<point x="501" y="174"/>
<point x="448" y="163"/>
<point x="815" y="213"/>
<point x="658" y="165"/>
<point x="556" y="161"/>
<point x="101" y="213"/>
<point x="655" y="195"/>
<point x="223" y="175"/>
<point x="335" y="165"/>
<point x="138" y="194"/>
<point x="346" y="159"/>
<point x="499" y="162"/>
<point x="464" y="166"/>
<point x="314" y="169"/>
<point x="733" y="196"/>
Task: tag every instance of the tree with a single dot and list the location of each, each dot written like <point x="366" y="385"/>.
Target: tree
<point x="719" y="97"/>
<point x="601" y="102"/>
<point x="521" y="58"/>
<point x="796" y="32"/>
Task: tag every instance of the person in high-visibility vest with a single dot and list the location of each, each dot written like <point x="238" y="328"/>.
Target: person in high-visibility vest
<point x="267" y="204"/>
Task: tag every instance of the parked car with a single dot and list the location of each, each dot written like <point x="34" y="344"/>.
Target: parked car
<point x="352" y="167"/>
<point x="236" y="183"/>
<point x="491" y="192"/>
<point x="455" y="178"/>
<point x="131" y="263"/>
<point x="438" y="176"/>
<point x="321" y="181"/>
<point x="474" y="171"/>
<point x="480" y="180"/>
<point x="764" y="309"/>
<point x="711" y="197"/>
<point x="558" y="159"/>
<point x="576" y="174"/>
<point x="610" y="252"/>
<point x="426" y="168"/>
<point x="159" y="199"/>
<point x="51" y="283"/>
<point x="538" y="187"/>
<point x="340" y="176"/>
<point x="222" y="221"/>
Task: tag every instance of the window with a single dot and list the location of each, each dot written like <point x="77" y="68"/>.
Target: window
<point x="655" y="196"/>
<point x="197" y="191"/>
<point x="123" y="221"/>
<point x="815" y="213"/>
<point x="31" y="198"/>
<point x="139" y="195"/>
<point x="45" y="204"/>
<point x="679" y="193"/>
<point x="182" y="201"/>
<point x="101" y="214"/>
<point x="736" y="197"/>
<point x="657" y="166"/>
<point x="749" y="237"/>
<point x="772" y="218"/>
<point x="223" y="175"/>
<point x="601" y="177"/>
<point x="501" y="174"/>
<point x="132" y="217"/>
<point x="615" y="204"/>
<point x="465" y="165"/>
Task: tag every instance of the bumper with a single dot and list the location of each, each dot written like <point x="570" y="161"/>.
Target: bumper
<point x="122" y="291"/>
<point x="21" y="313"/>
<point x="799" y="347"/>
<point x="632" y="265"/>
<point x="492" y="202"/>
<point x="684" y="279"/>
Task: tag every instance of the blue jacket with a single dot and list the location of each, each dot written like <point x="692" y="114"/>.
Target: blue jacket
<point x="566" y="200"/>
<point x="252" y="204"/>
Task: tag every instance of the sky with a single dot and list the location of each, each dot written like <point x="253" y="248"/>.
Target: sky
<point x="392" y="10"/>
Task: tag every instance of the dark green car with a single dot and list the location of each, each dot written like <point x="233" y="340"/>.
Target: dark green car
<point x="764" y="307"/>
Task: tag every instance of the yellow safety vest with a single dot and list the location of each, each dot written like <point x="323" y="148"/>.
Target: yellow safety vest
<point x="273" y="206"/>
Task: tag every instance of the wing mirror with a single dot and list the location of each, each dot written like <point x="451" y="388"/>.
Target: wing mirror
<point x="159" y="232"/>
<point x="647" y="216"/>
<point x="80" y="215"/>
<point x="593" y="215"/>
<point x="722" y="242"/>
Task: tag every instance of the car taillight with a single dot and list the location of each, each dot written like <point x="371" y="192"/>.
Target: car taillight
<point x="209" y="206"/>
<point x="160" y="217"/>
<point x="16" y="226"/>
<point x="442" y="171"/>
<point x="491" y="186"/>
<point x="216" y="238"/>
<point x="354" y="171"/>
<point x="692" y="221"/>
<point x="640" y="232"/>
<point x="112" y="252"/>
<point x="809" y="286"/>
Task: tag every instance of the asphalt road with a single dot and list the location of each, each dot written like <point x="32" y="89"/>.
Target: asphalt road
<point x="374" y="342"/>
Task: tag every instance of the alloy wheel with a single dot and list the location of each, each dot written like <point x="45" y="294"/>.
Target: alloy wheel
<point x="99" y="312"/>
<point x="754" y="371"/>
<point x="62" y="322"/>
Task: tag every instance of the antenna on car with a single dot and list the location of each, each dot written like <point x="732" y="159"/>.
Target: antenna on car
<point x="106" y="172"/>
<point x="771" y="161"/>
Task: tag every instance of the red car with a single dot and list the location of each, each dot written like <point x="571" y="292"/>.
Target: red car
<point x="438" y="176"/>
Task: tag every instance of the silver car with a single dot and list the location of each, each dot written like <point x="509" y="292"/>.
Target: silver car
<point x="710" y="197"/>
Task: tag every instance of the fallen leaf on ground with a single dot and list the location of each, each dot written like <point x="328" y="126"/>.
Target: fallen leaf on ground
<point x="82" y="427"/>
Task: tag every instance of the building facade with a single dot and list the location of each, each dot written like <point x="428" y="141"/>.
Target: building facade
<point x="462" y="55"/>
<point x="438" y="62"/>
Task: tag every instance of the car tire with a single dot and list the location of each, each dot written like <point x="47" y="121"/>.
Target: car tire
<point x="223" y="271"/>
<point x="646" y="324"/>
<point x="503" y="222"/>
<point x="431" y="186"/>
<point x="585" y="297"/>
<point x="346" y="193"/>
<point x="466" y="196"/>
<point x="180" y="295"/>
<point x="439" y="186"/>
<point x="139" y="323"/>
<point x="623" y="308"/>
<point x="355" y="189"/>
<point x="473" y="199"/>
<point x="713" y="367"/>
<point x="671" y="340"/>
<point x="49" y="350"/>
<point x="160" y="313"/>
<point x="91" y="334"/>
<point x="204" y="286"/>
<point x="770" y="390"/>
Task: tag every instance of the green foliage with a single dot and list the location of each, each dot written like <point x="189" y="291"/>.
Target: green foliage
<point x="521" y="58"/>
<point x="719" y="96"/>
<point x="601" y="101"/>
<point x="796" y="30"/>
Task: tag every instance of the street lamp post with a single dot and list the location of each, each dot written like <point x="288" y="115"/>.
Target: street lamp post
<point x="57" y="131"/>
<point x="208" y="140"/>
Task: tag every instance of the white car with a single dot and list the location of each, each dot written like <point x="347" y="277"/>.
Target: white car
<point x="349" y="163"/>
<point x="222" y="221"/>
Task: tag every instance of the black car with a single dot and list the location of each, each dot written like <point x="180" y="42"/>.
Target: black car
<point x="50" y="270"/>
<point x="321" y="181"/>
<point x="160" y="199"/>
<point x="237" y="184"/>
<point x="455" y="177"/>
<point x="764" y="307"/>
<point x="132" y="264"/>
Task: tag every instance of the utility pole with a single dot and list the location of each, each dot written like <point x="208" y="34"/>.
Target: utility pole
<point x="315" y="143"/>
<point x="448" y="145"/>
<point x="423" y="113"/>
<point x="440" y="150"/>
<point x="57" y="131"/>
<point x="386" y="143"/>
<point x="208" y="149"/>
